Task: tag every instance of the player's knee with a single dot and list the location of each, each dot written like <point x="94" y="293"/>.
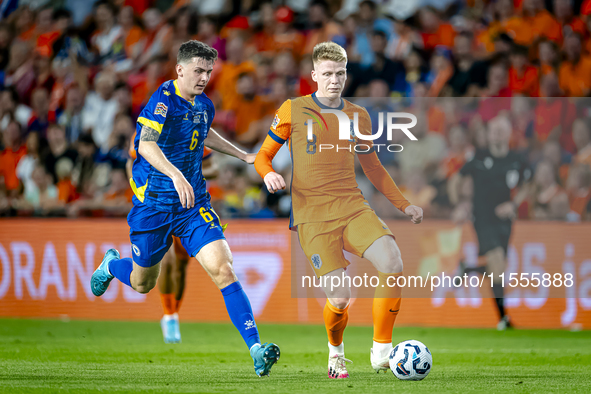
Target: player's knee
<point x="396" y="264"/>
<point x="224" y="274"/>
<point x="340" y="303"/>
<point x="392" y="260"/>
<point x="145" y="285"/>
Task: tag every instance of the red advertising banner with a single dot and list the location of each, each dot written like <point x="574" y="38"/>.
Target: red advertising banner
<point x="45" y="269"/>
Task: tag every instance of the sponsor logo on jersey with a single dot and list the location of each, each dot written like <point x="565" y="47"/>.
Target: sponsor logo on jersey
<point x="316" y="261"/>
<point x="200" y="117"/>
<point x="275" y="122"/>
<point x="166" y="93"/>
<point x="161" y="109"/>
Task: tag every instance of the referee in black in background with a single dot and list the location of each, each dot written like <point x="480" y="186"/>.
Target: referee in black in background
<point x="500" y="181"/>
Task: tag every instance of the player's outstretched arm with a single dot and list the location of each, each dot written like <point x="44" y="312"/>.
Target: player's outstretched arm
<point x="220" y="144"/>
<point x="149" y="149"/>
<point x="264" y="167"/>
<point x="379" y="177"/>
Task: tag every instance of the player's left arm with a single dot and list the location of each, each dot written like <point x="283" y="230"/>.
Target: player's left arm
<point x="508" y="210"/>
<point x="379" y="177"/>
<point x="222" y="145"/>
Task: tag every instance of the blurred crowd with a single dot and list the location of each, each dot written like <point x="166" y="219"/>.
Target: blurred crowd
<point x="74" y="76"/>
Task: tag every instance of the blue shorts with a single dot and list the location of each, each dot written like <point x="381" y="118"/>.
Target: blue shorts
<point x="151" y="231"/>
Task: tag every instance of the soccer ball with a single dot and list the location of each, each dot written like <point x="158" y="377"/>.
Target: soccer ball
<point x="411" y="360"/>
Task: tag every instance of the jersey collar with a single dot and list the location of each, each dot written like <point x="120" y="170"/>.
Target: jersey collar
<point x="178" y="92"/>
<point x="318" y="103"/>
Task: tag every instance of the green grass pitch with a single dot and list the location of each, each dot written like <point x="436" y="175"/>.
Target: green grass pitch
<point x="50" y="356"/>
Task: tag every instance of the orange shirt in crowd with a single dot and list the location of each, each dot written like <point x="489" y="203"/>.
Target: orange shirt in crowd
<point x="317" y="36"/>
<point x="526" y="29"/>
<point x="227" y="78"/>
<point x="292" y="41"/>
<point x="451" y="164"/>
<point x="551" y="113"/>
<point x="436" y="120"/>
<point x="575" y="79"/>
<point x="141" y="91"/>
<point x="248" y="111"/>
<point x="8" y="162"/>
<point x="526" y="83"/>
<point x="66" y="191"/>
<point x="133" y="37"/>
<point x="44" y="45"/>
<point x="546" y="69"/>
<point x="444" y="35"/>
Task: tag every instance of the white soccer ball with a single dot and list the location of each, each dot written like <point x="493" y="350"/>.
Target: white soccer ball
<point x="411" y="360"/>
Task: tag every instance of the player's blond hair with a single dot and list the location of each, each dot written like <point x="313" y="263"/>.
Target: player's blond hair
<point x="329" y="51"/>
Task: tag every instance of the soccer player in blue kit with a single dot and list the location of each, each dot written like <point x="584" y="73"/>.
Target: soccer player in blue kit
<point x="171" y="198"/>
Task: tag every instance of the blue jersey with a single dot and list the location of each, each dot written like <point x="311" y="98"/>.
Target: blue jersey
<point x="183" y="126"/>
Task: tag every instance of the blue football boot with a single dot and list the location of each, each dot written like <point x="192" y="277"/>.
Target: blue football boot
<point x="99" y="282"/>
<point x="264" y="356"/>
<point x="170" y="329"/>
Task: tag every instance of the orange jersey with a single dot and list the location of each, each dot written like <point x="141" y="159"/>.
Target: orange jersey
<point x="323" y="184"/>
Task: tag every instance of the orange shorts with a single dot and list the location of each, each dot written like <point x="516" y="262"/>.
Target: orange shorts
<point x="323" y="242"/>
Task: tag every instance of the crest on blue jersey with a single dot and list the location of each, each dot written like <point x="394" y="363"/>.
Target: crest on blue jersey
<point x="200" y="117"/>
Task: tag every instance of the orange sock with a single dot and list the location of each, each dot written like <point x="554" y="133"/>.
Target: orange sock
<point x="168" y="303"/>
<point x="335" y="320"/>
<point x="386" y="304"/>
<point x="177" y="304"/>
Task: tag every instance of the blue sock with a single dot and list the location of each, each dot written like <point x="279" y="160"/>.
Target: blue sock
<point x="240" y="313"/>
<point x="121" y="269"/>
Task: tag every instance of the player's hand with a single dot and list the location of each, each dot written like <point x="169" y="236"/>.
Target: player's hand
<point x="250" y="157"/>
<point x="461" y="213"/>
<point x="415" y="213"/>
<point x="274" y="182"/>
<point x="185" y="191"/>
<point x="506" y="210"/>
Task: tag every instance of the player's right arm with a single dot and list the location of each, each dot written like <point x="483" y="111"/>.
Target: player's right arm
<point x="149" y="149"/>
<point x="279" y="133"/>
<point x="457" y="196"/>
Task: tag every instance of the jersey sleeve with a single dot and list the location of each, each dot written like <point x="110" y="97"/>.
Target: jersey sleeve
<point x="280" y="130"/>
<point x="382" y="181"/>
<point x="206" y="152"/>
<point x="154" y="113"/>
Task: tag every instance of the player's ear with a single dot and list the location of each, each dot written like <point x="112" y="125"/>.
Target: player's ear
<point x="314" y="76"/>
<point x="179" y="70"/>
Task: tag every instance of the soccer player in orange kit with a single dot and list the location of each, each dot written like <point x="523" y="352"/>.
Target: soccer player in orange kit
<point x="328" y="209"/>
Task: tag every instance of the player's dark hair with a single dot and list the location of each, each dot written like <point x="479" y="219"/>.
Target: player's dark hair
<point x="194" y="48"/>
